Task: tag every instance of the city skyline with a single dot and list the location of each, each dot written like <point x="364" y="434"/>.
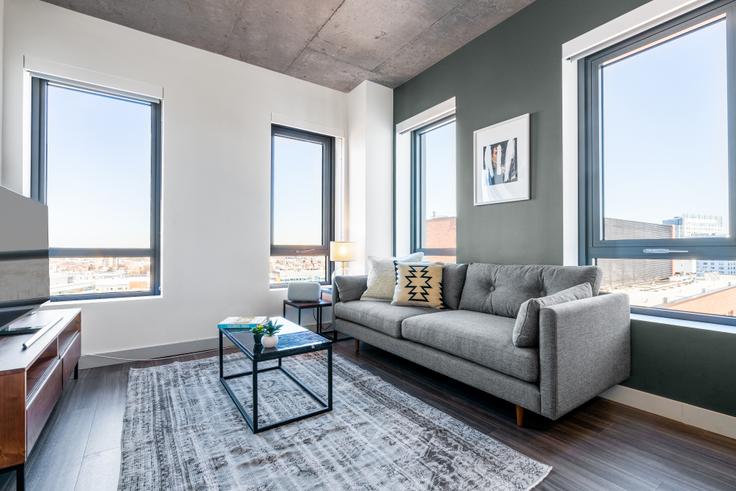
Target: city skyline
<point x="74" y="276"/>
<point x="695" y="285"/>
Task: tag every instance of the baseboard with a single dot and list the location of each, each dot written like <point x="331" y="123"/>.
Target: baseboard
<point x="93" y="360"/>
<point x="705" y="419"/>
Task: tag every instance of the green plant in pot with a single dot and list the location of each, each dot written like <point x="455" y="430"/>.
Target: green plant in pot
<point x="270" y="333"/>
<point x="258" y="332"/>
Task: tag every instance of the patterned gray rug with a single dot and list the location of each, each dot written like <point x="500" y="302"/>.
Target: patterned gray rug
<point x="182" y="431"/>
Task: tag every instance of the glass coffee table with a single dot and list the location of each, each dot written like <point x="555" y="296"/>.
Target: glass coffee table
<point x="293" y="340"/>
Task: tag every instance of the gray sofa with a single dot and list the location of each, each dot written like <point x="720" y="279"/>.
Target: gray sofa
<point x="583" y="349"/>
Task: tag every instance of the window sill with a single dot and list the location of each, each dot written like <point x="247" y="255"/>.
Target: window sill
<point x="285" y="287"/>
<point x="73" y="303"/>
<point x="706" y="326"/>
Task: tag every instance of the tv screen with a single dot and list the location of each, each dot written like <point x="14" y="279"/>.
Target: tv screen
<point x="24" y="251"/>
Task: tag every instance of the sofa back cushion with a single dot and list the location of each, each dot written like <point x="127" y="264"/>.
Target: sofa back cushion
<point x="501" y="289"/>
<point x="453" y="279"/>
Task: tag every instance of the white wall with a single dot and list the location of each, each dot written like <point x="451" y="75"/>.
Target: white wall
<point x="356" y="226"/>
<point x="2" y="37"/>
<point x="379" y="170"/>
<point x="370" y="171"/>
<point x="216" y="145"/>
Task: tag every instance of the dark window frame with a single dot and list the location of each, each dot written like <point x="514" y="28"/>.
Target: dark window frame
<point x="418" y="190"/>
<point x="39" y="104"/>
<point x="328" y="199"/>
<point x="592" y="245"/>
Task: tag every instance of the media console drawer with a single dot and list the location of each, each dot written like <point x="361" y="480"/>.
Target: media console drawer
<point x="70" y="357"/>
<point x="41" y="404"/>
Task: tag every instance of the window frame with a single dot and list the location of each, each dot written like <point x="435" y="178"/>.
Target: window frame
<point x="39" y="166"/>
<point x="328" y="199"/>
<point x="418" y="189"/>
<point x="592" y="244"/>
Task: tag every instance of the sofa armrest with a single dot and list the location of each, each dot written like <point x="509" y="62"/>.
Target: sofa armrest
<point x="347" y="288"/>
<point x="584" y="349"/>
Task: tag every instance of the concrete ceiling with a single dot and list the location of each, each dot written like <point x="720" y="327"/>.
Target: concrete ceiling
<point x="335" y="43"/>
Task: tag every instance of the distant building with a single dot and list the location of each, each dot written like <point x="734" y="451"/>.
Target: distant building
<point x="617" y="229"/>
<point x="441" y="232"/>
<point x="697" y="225"/>
<point x="685" y="266"/>
<point x="623" y="272"/>
<point x="712" y="266"/>
<point x="719" y="302"/>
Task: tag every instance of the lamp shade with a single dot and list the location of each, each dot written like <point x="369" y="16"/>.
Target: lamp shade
<point x="342" y="250"/>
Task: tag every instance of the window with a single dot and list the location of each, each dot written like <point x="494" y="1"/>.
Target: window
<point x="301" y="205"/>
<point x="96" y="163"/>
<point x="434" y="207"/>
<point x="658" y="167"/>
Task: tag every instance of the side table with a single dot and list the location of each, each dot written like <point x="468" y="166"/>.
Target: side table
<point x="318" y="305"/>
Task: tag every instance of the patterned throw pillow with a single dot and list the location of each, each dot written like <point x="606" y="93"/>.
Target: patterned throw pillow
<point x="419" y="285"/>
<point x="382" y="277"/>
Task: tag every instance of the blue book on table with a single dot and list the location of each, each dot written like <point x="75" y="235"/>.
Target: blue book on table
<point x="242" y="322"/>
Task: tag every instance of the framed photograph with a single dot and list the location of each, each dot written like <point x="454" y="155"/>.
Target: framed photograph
<point x="501" y="162"/>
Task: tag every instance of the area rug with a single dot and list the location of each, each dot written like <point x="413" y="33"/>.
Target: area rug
<point x="182" y="431"/>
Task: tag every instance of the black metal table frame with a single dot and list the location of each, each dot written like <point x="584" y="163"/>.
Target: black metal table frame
<point x="252" y="421"/>
<point x="318" y="306"/>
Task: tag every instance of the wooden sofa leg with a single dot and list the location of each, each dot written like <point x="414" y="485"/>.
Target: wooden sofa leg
<point x="357" y="346"/>
<point x="519" y="416"/>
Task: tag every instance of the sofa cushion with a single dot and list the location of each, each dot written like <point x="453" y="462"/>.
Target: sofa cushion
<point x="380" y="316"/>
<point x="501" y="289"/>
<point x="453" y="279"/>
<point x="481" y="338"/>
<point x="526" y="327"/>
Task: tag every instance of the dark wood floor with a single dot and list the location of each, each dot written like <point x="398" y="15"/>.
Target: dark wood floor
<point x="602" y="445"/>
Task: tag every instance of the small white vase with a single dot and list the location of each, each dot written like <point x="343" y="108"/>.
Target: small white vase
<point x="270" y="341"/>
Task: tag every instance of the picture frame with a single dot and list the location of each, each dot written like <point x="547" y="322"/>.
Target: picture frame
<point x="501" y="162"/>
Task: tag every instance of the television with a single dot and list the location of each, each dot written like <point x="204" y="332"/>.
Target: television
<point x="24" y="256"/>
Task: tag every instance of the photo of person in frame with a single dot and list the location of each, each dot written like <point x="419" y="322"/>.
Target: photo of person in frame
<point x="499" y="163"/>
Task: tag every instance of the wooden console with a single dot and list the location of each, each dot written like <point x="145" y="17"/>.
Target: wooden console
<point x="31" y="381"/>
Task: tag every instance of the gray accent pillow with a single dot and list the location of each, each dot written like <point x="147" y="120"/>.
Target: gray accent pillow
<point x="350" y="288"/>
<point x="526" y="328"/>
<point x="382" y="276"/>
<point x="453" y="279"/>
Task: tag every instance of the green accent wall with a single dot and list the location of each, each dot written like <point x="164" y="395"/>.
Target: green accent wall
<point x="513" y="69"/>
<point x="692" y="365"/>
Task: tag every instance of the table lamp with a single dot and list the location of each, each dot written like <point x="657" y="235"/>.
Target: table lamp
<point x="343" y="252"/>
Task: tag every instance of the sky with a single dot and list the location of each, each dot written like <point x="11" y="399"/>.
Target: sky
<point x="99" y="170"/>
<point x="297" y="192"/>
<point x="665" y="129"/>
<point x="440" y="168"/>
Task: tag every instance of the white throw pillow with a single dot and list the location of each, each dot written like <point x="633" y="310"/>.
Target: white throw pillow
<point x="382" y="276"/>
